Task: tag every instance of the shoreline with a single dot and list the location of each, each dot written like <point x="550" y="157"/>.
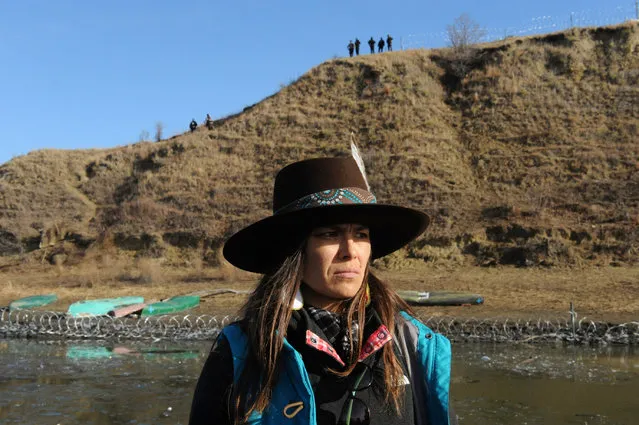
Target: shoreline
<point x="605" y="295"/>
<point x="36" y="324"/>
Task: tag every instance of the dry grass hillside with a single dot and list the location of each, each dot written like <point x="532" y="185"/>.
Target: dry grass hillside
<point x="528" y="157"/>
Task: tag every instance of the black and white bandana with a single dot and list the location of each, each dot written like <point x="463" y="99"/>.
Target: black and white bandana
<point x="334" y="327"/>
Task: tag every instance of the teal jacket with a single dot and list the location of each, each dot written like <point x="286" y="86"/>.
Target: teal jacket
<point x="428" y="356"/>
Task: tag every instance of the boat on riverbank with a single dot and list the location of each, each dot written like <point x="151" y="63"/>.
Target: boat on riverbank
<point x="32" y="301"/>
<point x="100" y="307"/>
<point x="440" y="298"/>
<point x="171" y="305"/>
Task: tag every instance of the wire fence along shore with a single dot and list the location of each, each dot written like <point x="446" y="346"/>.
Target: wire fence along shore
<point x="43" y="324"/>
<point x="611" y="15"/>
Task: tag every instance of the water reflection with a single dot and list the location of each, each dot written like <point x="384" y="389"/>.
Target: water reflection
<point x="555" y="384"/>
<point x="86" y="383"/>
<point x="58" y="382"/>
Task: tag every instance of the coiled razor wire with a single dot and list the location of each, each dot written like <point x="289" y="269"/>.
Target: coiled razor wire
<point x="538" y="330"/>
<point x="32" y="324"/>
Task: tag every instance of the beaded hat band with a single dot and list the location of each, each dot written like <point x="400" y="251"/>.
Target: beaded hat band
<point x="343" y="196"/>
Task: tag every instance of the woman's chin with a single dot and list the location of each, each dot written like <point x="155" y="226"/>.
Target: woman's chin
<point x="345" y="290"/>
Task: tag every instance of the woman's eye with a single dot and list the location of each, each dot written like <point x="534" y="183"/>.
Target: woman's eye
<point x="328" y="234"/>
<point x="363" y="235"/>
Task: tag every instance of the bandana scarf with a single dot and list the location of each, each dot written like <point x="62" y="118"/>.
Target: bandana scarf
<point x="334" y="327"/>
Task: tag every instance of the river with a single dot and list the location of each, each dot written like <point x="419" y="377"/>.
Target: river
<point x="107" y="383"/>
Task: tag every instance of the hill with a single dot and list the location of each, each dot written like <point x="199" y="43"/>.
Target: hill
<point x="525" y="152"/>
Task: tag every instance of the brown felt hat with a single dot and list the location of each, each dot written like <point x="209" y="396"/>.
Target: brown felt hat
<point x="318" y="192"/>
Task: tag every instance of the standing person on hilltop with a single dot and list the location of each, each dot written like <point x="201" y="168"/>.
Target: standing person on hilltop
<point x="322" y="340"/>
<point x="357" y="43"/>
<point x="380" y="45"/>
<point x="371" y="44"/>
<point x="350" y="47"/>
<point x="208" y="121"/>
<point x="193" y="125"/>
<point x="389" y="43"/>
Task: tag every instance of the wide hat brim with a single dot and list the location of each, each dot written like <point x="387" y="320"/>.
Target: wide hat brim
<point x="263" y="246"/>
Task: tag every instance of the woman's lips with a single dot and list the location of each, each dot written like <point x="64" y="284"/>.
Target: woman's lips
<point x="347" y="274"/>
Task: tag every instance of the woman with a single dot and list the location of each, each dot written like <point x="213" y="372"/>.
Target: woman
<point x="321" y="339"/>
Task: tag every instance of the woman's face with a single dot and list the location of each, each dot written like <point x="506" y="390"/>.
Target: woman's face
<point x="335" y="263"/>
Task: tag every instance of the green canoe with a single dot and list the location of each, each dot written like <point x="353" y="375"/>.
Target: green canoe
<point x="33" y="301"/>
<point x="440" y="298"/>
<point x="172" y="305"/>
<point x="102" y="306"/>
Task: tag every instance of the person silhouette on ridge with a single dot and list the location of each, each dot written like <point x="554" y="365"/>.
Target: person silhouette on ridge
<point x="380" y="45"/>
<point x="357" y="43"/>
<point x="351" y="47"/>
<point x="371" y="44"/>
<point x="389" y="43"/>
<point x="193" y="125"/>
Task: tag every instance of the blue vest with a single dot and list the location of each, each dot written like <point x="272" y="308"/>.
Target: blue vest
<point x="430" y="382"/>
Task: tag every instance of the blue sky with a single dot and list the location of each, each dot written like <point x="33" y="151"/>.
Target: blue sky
<point x="89" y="74"/>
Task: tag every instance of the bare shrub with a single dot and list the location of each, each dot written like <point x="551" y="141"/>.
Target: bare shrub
<point x="159" y="127"/>
<point x="144" y="136"/>
<point x="464" y="32"/>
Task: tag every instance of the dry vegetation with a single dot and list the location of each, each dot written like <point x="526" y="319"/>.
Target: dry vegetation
<point x="529" y="158"/>
<point x="610" y="294"/>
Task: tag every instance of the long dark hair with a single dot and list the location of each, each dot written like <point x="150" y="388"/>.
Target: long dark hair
<point x="265" y="318"/>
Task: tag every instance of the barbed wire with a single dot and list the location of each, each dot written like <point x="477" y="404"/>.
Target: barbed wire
<point x="30" y="323"/>
<point x="44" y="324"/>
<point x="535" y="25"/>
<point x="536" y="330"/>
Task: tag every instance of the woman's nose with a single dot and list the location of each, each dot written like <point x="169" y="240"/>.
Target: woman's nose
<point x="347" y="247"/>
